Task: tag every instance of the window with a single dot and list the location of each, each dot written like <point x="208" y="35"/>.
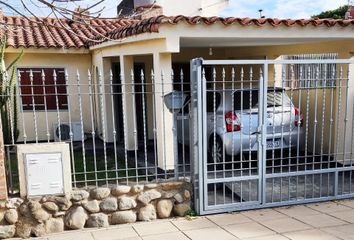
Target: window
<point x="275" y="98"/>
<point x="245" y="96"/>
<point x="305" y="75"/>
<point x="38" y="88"/>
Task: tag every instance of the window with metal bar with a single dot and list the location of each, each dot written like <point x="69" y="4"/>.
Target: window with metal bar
<point x="43" y="89"/>
<point x="310" y="75"/>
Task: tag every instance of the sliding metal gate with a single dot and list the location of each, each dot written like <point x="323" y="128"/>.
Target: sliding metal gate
<point x="271" y="133"/>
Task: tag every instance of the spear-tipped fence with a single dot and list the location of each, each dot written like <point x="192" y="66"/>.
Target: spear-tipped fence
<point x="110" y="122"/>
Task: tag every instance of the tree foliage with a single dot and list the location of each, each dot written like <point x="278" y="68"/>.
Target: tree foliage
<point x="338" y="13"/>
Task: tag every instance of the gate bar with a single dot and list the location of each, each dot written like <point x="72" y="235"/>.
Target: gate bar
<point x="196" y="136"/>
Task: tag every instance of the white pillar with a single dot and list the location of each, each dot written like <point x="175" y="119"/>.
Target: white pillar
<point x="129" y="115"/>
<point x="106" y="72"/>
<point x="162" y="63"/>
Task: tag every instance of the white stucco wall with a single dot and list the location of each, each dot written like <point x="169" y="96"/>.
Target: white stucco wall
<point x="188" y="7"/>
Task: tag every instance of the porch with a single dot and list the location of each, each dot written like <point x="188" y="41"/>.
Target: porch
<point x="165" y="65"/>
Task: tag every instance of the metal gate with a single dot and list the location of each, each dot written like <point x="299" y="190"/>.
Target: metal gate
<point x="271" y="132"/>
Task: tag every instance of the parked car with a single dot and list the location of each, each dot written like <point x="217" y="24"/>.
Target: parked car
<point x="233" y="119"/>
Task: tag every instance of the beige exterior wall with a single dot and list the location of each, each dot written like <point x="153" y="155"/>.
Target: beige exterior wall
<point x="72" y="62"/>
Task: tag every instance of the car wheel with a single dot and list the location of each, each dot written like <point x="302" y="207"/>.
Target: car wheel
<point x="216" y="155"/>
<point x="216" y="151"/>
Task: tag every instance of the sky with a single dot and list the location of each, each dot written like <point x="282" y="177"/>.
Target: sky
<point x="236" y="8"/>
<point x="281" y="8"/>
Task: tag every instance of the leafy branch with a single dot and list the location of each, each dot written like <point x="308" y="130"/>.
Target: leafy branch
<point x="338" y="13"/>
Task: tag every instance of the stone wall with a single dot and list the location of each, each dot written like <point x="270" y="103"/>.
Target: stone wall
<point x="94" y="207"/>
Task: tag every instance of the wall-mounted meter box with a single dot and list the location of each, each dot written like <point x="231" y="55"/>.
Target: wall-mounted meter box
<point x="44" y="169"/>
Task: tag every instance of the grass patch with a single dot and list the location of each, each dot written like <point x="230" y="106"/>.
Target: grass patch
<point x="99" y="172"/>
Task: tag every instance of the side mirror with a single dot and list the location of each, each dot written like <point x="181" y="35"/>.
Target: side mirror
<point x="174" y="100"/>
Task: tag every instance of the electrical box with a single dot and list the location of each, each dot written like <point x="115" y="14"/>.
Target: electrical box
<point x="44" y="169"/>
<point x="44" y="174"/>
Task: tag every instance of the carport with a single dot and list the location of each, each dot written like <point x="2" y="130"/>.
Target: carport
<point x="254" y="54"/>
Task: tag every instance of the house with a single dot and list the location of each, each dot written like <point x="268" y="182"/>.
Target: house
<point x="160" y="43"/>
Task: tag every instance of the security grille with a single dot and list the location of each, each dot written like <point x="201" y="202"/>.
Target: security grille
<point x="261" y="141"/>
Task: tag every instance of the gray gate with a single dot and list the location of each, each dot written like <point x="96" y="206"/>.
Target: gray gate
<point x="270" y="133"/>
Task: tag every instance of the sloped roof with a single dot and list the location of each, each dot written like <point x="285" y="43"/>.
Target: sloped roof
<point x="57" y="33"/>
<point x="66" y="33"/>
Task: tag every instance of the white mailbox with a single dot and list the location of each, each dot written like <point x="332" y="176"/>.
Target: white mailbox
<point x="44" y="169"/>
<point x="44" y="174"/>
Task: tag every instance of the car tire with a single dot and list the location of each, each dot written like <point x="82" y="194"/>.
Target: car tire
<point x="216" y="155"/>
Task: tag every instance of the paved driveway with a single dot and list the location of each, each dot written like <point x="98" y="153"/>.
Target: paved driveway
<point x="329" y="220"/>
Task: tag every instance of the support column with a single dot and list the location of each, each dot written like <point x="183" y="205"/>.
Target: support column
<point x="162" y="63"/>
<point x="106" y="77"/>
<point x="129" y="115"/>
<point x="275" y="73"/>
<point x="3" y="186"/>
<point x="103" y="68"/>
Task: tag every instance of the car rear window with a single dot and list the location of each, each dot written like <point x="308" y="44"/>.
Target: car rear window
<point x="277" y="99"/>
<point x="250" y="99"/>
<point x="210" y="101"/>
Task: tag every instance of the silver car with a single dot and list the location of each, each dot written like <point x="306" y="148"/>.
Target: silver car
<point x="232" y="122"/>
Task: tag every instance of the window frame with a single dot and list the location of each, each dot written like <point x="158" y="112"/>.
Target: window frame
<point x="29" y="108"/>
<point x="298" y="82"/>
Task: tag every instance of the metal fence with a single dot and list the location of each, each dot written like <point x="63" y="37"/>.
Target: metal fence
<point x="118" y="127"/>
<point x="271" y="133"/>
<point x="250" y="134"/>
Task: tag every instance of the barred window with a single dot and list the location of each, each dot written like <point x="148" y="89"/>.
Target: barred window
<point x="310" y="75"/>
<point x="53" y="91"/>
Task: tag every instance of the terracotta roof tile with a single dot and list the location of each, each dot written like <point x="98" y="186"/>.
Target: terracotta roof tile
<point x="64" y="33"/>
<point x="57" y="33"/>
<point x="152" y="24"/>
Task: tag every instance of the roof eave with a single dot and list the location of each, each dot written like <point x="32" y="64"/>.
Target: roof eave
<point x="82" y="50"/>
<point x="127" y="40"/>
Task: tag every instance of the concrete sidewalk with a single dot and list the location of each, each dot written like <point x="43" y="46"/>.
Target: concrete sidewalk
<point x="329" y="220"/>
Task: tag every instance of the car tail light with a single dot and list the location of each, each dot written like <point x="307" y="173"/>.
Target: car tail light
<point x="298" y="117"/>
<point x="232" y="122"/>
